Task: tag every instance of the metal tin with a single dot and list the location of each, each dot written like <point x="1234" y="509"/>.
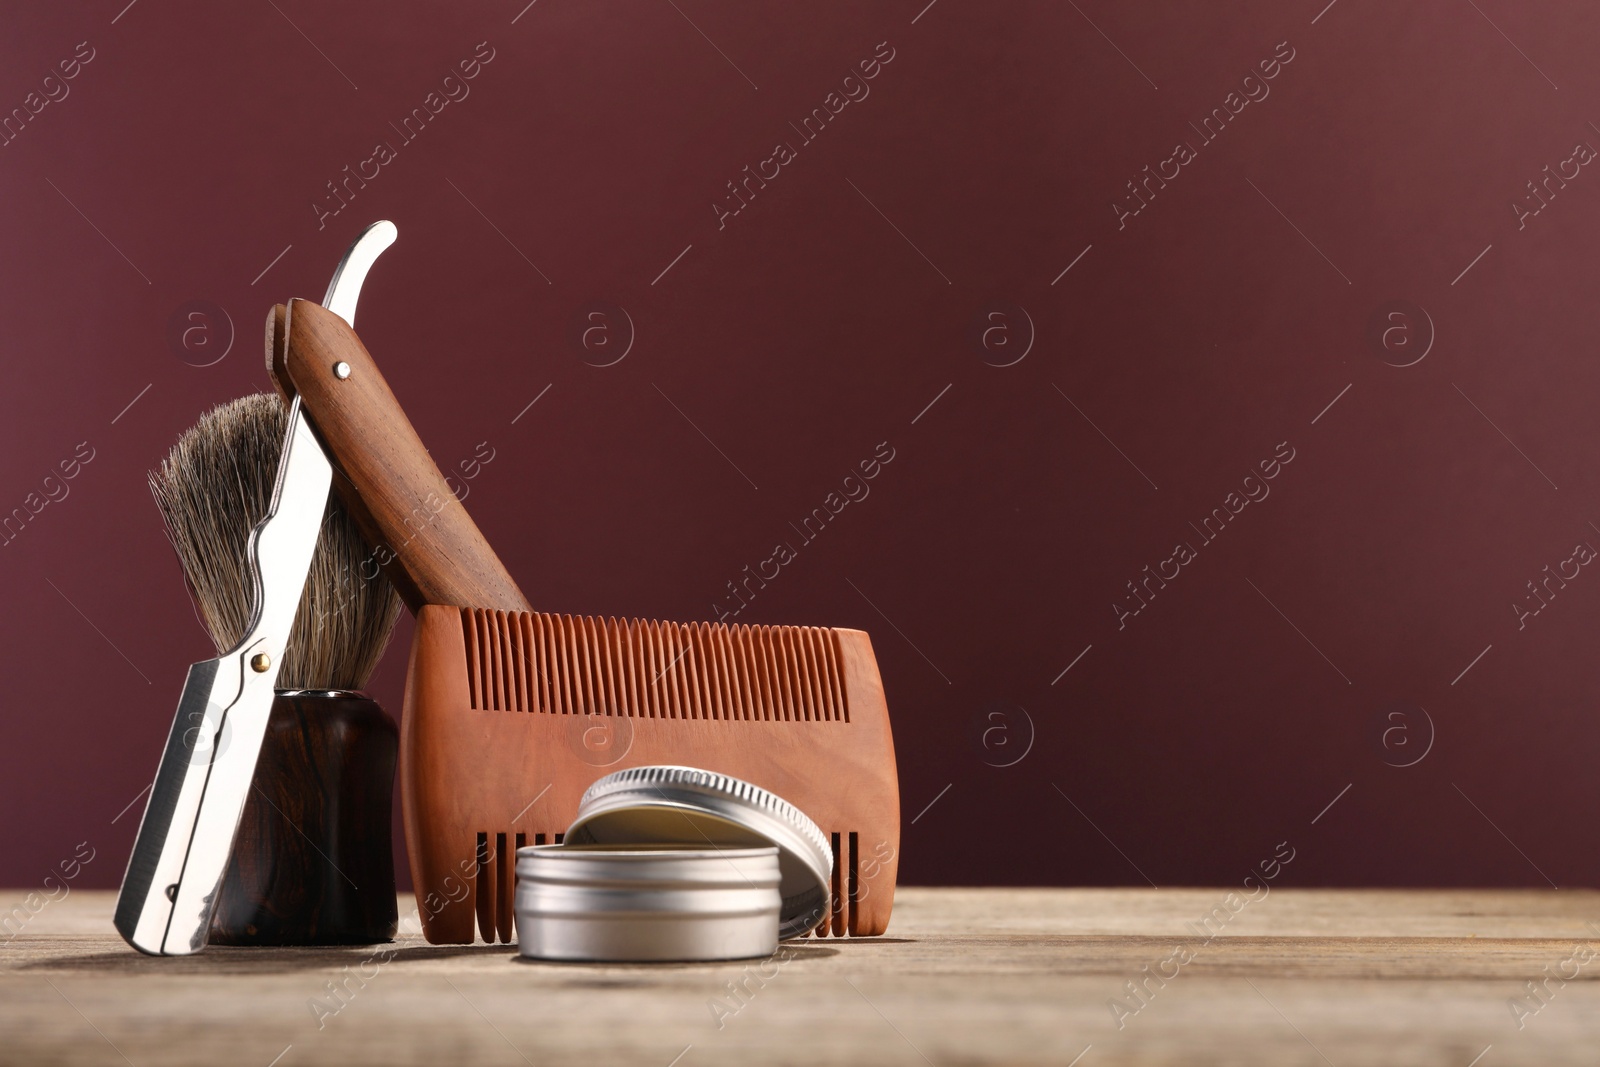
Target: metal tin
<point x="590" y="902"/>
<point x="693" y="808"/>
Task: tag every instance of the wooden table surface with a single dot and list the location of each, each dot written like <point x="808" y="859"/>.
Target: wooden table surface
<point x="965" y="976"/>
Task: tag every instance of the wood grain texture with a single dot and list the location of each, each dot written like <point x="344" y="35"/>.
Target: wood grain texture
<point x="424" y="540"/>
<point x="312" y="863"/>
<point x="1005" y="976"/>
<point x="509" y="717"/>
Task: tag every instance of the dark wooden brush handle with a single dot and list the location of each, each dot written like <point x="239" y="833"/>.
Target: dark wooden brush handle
<point x="312" y="862"/>
<point x="425" y="541"/>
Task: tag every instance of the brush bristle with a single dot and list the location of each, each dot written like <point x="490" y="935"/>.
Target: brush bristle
<point x="212" y="490"/>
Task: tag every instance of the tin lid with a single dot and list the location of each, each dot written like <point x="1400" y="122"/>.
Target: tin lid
<point x="691" y="807"/>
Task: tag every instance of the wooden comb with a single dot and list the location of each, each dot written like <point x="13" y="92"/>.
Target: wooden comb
<point x="510" y="714"/>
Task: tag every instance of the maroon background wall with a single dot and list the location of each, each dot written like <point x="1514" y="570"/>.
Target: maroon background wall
<point x="1352" y="636"/>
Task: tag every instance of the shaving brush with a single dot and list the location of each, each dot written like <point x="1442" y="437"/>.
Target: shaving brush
<point x="312" y="862"/>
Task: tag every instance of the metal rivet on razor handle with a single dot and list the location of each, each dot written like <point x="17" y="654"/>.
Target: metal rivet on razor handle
<point x="260" y="662"/>
<point x="341" y="370"/>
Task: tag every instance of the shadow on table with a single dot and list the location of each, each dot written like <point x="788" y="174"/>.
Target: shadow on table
<point x="221" y="960"/>
<point x="795" y="952"/>
<point x="288" y="960"/>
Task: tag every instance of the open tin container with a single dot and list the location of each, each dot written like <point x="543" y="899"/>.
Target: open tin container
<point x="673" y="863"/>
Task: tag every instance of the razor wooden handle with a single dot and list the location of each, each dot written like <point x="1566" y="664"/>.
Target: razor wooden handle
<point x="424" y="540"/>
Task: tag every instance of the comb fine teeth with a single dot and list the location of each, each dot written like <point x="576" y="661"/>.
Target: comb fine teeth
<point x="566" y="665"/>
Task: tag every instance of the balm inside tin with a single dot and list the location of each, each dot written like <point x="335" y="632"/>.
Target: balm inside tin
<point x="644" y="904"/>
<point x="673" y="863"/>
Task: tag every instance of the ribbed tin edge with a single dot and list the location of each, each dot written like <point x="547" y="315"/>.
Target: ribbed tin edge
<point x="710" y="781"/>
<point x="730" y="799"/>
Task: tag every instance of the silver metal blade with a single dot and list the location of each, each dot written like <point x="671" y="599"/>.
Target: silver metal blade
<point x="186" y="836"/>
<point x="210" y="688"/>
<point x="352" y="269"/>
